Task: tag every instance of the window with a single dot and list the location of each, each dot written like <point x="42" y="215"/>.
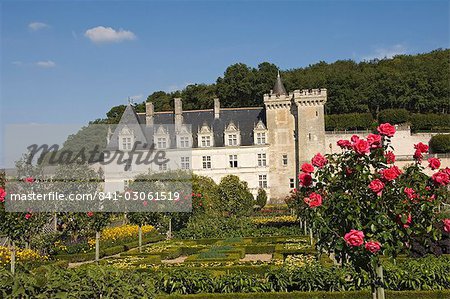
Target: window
<point x="206" y="162"/>
<point x="163" y="167"/>
<point x="262" y="160"/>
<point x="126" y="143"/>
<point x="206" y="141"/>
<point x="161" y="142"/>
<point x="262" y="178"/>
<point x="185" y="163"/>
<point x="291" y="183"/>
<point x="233" y="161"/>
<point x="285" y="160"/>
<point x="232" y="139"/>
<point x="260" y="138"/>
<point x="184" y="141"/>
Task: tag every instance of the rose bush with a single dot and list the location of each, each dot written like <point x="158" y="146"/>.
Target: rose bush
<point x="361" y="205"/>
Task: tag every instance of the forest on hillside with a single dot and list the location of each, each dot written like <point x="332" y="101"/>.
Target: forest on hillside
<point x="418" y="83"/>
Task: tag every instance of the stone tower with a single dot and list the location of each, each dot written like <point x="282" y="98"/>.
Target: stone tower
<point x="281" y="138"/>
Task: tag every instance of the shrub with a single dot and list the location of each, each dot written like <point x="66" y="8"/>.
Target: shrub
<point x="430" y="122"/>
<point x="261" y="198"/>
<point x="393" y="116"/>
<point x="351" y="121"/>
<point x="440" y="143"/>
<point x="235" y="197"/>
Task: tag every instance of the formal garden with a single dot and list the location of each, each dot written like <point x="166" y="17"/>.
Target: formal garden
<point x="357" y="227"/>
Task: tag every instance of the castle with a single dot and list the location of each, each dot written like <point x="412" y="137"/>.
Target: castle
<point x="264" y="146"/>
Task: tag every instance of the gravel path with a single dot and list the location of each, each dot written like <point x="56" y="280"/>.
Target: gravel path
<point x="264" y="257"/>
<point x="178" y="260"/>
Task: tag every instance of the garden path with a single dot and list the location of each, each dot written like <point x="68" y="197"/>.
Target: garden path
<point x="264" y="257"/>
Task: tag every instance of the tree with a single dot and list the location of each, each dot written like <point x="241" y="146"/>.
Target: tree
<point x="140" y="219"/>
<point x="261" y="198"/>
<point x="235" y="197"/>
<point x="361" y="205"/>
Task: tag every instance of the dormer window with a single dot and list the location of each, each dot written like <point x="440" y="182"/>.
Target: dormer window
<point x="205" y="136"/>
<point x="206" y="141"/>
<point x="126" y="143"/>
<point x="161" y="143"/>
<point x="261" y="138"/>
<point x="232" y="135"/>
<point x="184" y="137"/>
<point x="184" y="142"/>
<point x="126" y="139"/>
<point x="260" y="133"/>
<point x="161" y="138"/>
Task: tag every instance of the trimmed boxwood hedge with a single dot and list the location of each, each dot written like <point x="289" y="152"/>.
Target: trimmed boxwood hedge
<point x="440" y="143"/>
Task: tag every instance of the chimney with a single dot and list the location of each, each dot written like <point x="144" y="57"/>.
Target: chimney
<point x="216" y="108"/>
<point x="178" y="103"/>
<point x="149" y="113"/>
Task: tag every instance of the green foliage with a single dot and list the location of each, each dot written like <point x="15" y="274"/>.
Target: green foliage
<point x="261" y="198"/>
<point x="352" y="121"/>
<point x="430" y="122"/>
<point x="393" y="116"/>
<point x="235" y="197"/>
<point x="440" y="143"/>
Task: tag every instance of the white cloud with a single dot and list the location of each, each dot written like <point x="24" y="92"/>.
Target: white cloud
<point x="46" y="64"/>
<point x="35" y="26"/>
<point x="137" y="97"/>
<point x="388" y="52"/>
<point x="102" y="34"/>
<point x="175" y="87"/>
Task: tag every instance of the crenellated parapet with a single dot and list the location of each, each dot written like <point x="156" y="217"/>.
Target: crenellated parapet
<point x="273" y="101"/>
<point x="310" y="97"/>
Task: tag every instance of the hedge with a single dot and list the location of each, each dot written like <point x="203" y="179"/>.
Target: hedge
<point x="444" y="294"/>
<point x="430" y="122"/>
<point x="440" y="143"/>
<point x="394" y="116"/>
<point x="351" y="121"/>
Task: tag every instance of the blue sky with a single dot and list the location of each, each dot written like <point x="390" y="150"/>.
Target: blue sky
<point x="70" y="62"/>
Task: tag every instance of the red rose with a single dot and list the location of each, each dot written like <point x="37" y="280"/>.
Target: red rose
<point x="446" y="170"/>
<point x="361" y="147"/>
<point x="373" y="246"/>
<point x="314" y="200"/>
<point x="386" y="129"/>
<point x="410" y="193"/>
<point x="390" y="157"/>
<point x="391" y="173"/>
<point x="354" y="138"/>
<point x="408" y="220"/>
<point x="354" y="237"/>
<point x="423" y="148"/>
<point x="434" y="163"/>
<point x="446" y="225"/>
<point x="305" y="179"/>
<point x="319" y="161"/>
<point x="28" y="180"/>
<point x="441" y="178"/>
<point x="418" y="155"/>
<point x="2" y="195"/>
<point x="308" y="168"/>
<point x="27" y="216"/>
<point x="348" y="171"/>
<point x="344" y="144"/>
<point x="374" y="140"/>
<point x="90" y="214"/>
<point x="376" y="186"/>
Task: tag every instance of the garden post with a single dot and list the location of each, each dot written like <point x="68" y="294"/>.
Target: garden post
<point x="140" y="238"/>
<point x="97" y="246"/>
<point x="55" y="222"/>
<point x="311" y="236"/>
<point x="13" y="257"/>
<point x="304" y="226"/>
<point x="380" y="289"/>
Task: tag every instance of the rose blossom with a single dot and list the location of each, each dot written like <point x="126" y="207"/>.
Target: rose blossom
<point x="410" y="193"/>
<point x="319" y="161"/>
<point x="361" y="147"/>
<point x="2" y="195"/>
<point x="376" y="186"/>
<point x="314" y="200"/>
<point x="374" y="140"/>
<point x="446" y="170"/>
<point x="418" y="155"/>
<point x="391" y="173"/>
<point x="408" y="220"/>
<point x="305" y="179"/>
<point x="29" y="180"/>
<point x="441" y="178"/>
<point x="354" y="138"/>
<point x="390" y="157"/>
<point x="27" y="216"/>
<point x="423" y="148"/>
<point x="446" y="225"/>
<point x="344" y="144"/>
<point x="90" y="214"/>
<point x="434" y="163"/>
<point x="386" y="129"/>
<point x="354" y="237"/>
<point x="373" y="246"/>
<point x="308" y="168"/>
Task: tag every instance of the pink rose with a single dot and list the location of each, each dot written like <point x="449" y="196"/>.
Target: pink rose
<point x="344" y="144"/>
<point x="27" y="216"/>
<point x="354" y="138"/>
<point x="314" y="200"/>
<point x="354" y="237"/>
<point x="423" y="148"/>
<point x="308" y="168"/>
<point x="434" y="163"/>
<point x="373" y="246"/>
<point x="376" y="186"/>
<point x="2" y="194"/>
<point x="441" y="178"/>
<point x="410" y="193"/>
<point x="446" y="225"/>
<point x="418" y="155"/>
<point x="408" y="220"/>
<point x="391" y="173"/>
<point x="446" y="170"/>
<point x="361" y="147"/>
<point x="386" y="129"/>
<point x="319" y="161"/>
<point x="390" y="157"/>
<point x="90" y="214"/>
<point x="374" y="140"/>
<point x="305" y="179"/>
<point x="28" y="180"/>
